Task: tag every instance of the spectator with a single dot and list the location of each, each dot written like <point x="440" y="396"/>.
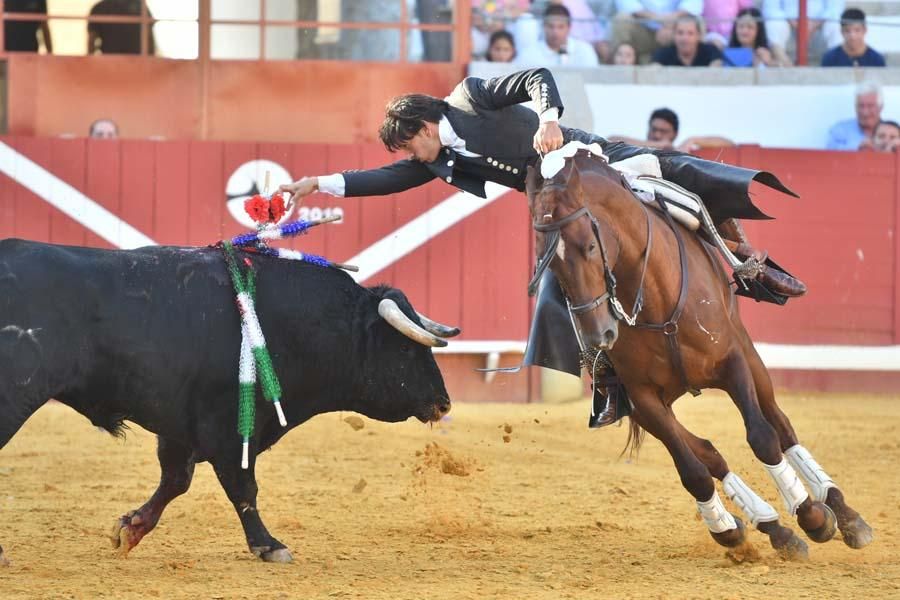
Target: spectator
<point x="648" y="24"/>
<point x="104" y="129"/>
<point x="749" y="36"/>
<point x="662" y="130"/>
<point x="490" y="16"/>
<point x="719" y="16"/>
<point x="887" y="137"/>
<point x="501" y="48"/>
<point x="853" y="52"/>
<point x="558" y="48"/>
<point x="21" y="36"/>
<point x="625" y="55"/>
<point x="688" y="50"/>
<point x="824" y="28"/>
<point x="586" y="27"/>
<point x="856" y="134"/>
<point x="117" y="38"/>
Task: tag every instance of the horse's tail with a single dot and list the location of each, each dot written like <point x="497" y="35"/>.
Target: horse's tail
<point x="635" y="438"/>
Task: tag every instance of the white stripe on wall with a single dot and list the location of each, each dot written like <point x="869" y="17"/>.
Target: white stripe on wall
<point x="70" y="201"/>
<point x="420" y="230"/>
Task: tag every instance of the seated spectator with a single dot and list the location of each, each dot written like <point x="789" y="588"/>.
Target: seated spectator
<point x="749" y="35"/>
<point x="662" y="130"/>
<point x="624" y="55"/>
<point x="501" y="48"/>
<point x="719" y="16"/>
<point x="105" y="129"/>
<point x="886" y="137"/>
<point x="490" y="16"/>
<point x="688" y="50"/>
<point x="823" y="18"/>
<point x="586" y="27"/>
<point x="21" y="36"/>
<point x="117" y="38"/>
<point x="856" y="134"/>
<point x="853" y="52"/>
<point x="558" y="47"/>
<point x="648" y="24"/>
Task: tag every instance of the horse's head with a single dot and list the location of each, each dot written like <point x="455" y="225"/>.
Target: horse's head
<point x="578" y="250"/>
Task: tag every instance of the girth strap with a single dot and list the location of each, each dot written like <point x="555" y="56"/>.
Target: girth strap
<point x="670" y="327"/>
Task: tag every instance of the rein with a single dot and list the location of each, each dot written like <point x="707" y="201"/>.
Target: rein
<point x="669" y="328"/>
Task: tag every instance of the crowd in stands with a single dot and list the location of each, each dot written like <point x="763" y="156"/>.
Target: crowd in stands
<point x="692" y="33"/>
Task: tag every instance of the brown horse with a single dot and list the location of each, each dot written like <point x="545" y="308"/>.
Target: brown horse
<point x="609" y="253"/>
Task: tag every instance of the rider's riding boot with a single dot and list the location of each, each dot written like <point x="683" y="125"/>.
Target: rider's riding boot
<point x="775" y="280"/>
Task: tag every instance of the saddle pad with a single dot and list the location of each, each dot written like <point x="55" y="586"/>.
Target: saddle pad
<point x="643" y="174"/>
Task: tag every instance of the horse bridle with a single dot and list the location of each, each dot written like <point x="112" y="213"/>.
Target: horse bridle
<point x="618" y="311"/>
<point x="669" y="328"/>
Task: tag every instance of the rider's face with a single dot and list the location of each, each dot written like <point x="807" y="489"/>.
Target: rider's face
<point x="424" y="146"/>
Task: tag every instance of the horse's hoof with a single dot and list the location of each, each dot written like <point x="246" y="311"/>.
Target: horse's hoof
<point x="282" y="555"/>
<point x="857" y="533"/>
<point x="828" y="529"/>
<point x="731" y="538"/>
<point x="793" y="549"/>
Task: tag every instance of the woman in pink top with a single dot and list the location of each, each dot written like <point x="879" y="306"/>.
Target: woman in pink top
<point x="719" y="16"/>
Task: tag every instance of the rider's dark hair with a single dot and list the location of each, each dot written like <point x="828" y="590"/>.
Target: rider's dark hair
<point x="668" y="115"/>
<point x="405" y="116"/>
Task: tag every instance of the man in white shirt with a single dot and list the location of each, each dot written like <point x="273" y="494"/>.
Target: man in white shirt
<point x="558" y="48"/>
<point x="824" y="17"/>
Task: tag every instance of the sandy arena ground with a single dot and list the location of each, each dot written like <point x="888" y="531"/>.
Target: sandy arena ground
<point x="513" y="502"/>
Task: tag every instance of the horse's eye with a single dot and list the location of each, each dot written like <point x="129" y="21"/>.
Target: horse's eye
<point x="592" y="246"/>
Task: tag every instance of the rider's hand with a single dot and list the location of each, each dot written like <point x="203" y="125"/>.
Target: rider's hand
<point x="299" y="189"/>
<point x="548" y="138"/>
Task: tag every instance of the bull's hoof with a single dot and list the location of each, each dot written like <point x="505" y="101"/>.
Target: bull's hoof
<point x="732" y="537"/>
<point x="124" y="535"/>
<point x="822" y="534"/>
<point x="282" y="555"/>
<point x="793" y="549"/>
<point x="857" y="533"/>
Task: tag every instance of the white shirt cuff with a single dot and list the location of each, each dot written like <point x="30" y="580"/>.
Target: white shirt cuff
<point x="551" y="114"/>
<point x="332" y="184"/>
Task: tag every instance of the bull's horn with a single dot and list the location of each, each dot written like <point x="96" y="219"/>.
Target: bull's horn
<point x="391" y="313"/>
<point x="437" y="328"/>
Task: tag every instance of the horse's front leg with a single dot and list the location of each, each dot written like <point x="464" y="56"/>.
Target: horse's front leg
<point x="651" y="414"/>
<point x="759" y="512"/>
<point x="854" y="530"/>
<point x="813" y="516"/>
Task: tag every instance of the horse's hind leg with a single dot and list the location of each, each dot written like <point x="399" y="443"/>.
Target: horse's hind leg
<point x="854" y="530"/>
<point x="814" y="517"/>
<point x="759" y="512"/>
<point x="652" y="415"/>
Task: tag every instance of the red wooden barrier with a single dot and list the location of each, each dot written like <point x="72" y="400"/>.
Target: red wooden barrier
<point x="840" y="236"/>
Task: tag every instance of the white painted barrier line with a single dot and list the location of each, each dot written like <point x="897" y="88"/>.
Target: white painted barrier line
<point x="775" y="356"/>
<point x="69" y="200"/>
<point x="420" y="230"/>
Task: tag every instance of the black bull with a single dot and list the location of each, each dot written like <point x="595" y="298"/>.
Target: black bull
<point x="153" y="336"/>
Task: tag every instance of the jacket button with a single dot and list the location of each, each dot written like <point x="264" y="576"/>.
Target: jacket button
<point x="490" y="160"/>
<point x="449" y="163"/>
<point x="515" y="171"/>
<point x="501" y="166"/>
<point x="449" y="179"/>
<point x="508" y="168"/>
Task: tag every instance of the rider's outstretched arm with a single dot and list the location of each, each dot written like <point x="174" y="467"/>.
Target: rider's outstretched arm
<point x="389" y="179"/>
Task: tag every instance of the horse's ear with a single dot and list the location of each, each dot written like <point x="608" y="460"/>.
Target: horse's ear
<point x="573" y="181"/>
<point x="533" y="181"/>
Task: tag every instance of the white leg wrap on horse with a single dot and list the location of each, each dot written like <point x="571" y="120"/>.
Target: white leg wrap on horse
<point x="757" y="510"/>
<point x="812" y="473"/>
<point x="789" y="485"/>
<point x="715" y="516"/>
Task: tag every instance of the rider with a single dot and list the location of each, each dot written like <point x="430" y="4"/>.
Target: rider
<point x="481" y="133"/>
